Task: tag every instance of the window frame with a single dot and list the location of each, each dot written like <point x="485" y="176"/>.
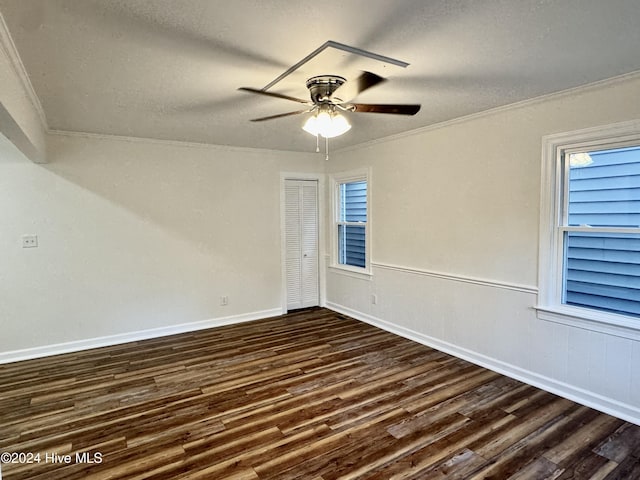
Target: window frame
<point x="553" y="212"/>
<point x="362" y="175"/>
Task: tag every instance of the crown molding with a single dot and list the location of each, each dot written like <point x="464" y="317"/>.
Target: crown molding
<point x="455" y="121"/>
<point x="170" y="143"/>
<point x="607" y="82"/>
<point x="9" y="49"/>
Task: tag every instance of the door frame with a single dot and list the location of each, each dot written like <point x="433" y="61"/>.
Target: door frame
<point x="322" y="253"/>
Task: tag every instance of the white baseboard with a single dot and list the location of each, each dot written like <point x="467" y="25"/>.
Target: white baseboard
<point x="79" y="345"/>
<point x="607" y="405"/>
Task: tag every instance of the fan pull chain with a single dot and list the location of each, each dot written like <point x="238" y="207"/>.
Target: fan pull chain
<point x="317" y="143"/>
<point x="326" y="148"/>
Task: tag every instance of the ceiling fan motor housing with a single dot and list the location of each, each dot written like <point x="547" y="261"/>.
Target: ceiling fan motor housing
<point x="322" y="87"/>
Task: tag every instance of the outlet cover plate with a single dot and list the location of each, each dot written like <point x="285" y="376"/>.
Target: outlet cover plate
<point x="29" y="241"/>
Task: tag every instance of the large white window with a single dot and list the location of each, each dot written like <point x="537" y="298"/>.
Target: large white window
<point x="351" y="243"/>
<point x="590" y="229"/>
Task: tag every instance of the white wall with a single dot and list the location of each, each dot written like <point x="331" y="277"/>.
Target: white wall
<point x="137" y="236"/>
<point x="457" y="209"/>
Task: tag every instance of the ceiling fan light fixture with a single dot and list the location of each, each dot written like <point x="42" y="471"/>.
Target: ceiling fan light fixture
<point x="311" y="125"/>
<point x="327" y="124"/>
<point x="339" y="125"/>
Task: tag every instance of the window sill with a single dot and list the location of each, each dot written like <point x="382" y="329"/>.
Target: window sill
<point x="602" y="322"/>
<point x="360" y="273"/>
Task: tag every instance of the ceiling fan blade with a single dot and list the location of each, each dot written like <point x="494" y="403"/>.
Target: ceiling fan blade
<point x="280" y="115"/>
<point x="396" y="109"/>
<point x="365" y="81"/>
<point x="272" y="94"/>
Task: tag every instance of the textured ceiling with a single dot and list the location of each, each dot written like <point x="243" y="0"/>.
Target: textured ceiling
<point x="170" y="69"/>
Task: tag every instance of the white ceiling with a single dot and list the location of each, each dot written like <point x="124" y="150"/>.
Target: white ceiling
<point x="170" y="69"/>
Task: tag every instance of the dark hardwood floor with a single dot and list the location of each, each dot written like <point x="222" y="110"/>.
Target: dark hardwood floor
<point x="312" y="395"/>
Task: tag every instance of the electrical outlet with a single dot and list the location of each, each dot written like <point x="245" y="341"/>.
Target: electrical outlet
<point x="374" y="299"/>
<point x="224" y="300"/>
<point x="29" y="241"/>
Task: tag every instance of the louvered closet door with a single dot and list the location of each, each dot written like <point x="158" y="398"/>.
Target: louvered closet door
<point x="301" y="236"/>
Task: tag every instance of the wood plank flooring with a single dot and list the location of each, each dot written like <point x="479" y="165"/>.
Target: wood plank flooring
<point x="312" y="395"/>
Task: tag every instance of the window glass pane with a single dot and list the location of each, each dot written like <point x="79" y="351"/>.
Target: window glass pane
<point x="602" y="271"/>
<point x="604" y="188"/>
<point x="353" y="202"/>
<point x="351" y="245"/>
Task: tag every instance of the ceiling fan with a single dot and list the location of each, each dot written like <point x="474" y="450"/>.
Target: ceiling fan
<point x="326" y="104"/>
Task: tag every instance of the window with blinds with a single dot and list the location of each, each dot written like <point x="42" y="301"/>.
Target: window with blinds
<point x="352" y="219"/>
<point x="351" y="248"/>
<point x="589" y="248"/>
<point x="601" y="230"/>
